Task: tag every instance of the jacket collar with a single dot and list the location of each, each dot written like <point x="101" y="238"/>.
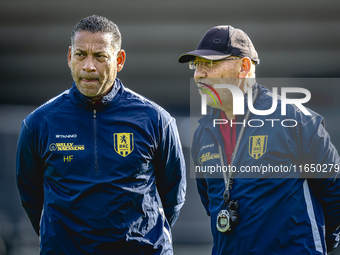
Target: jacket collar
<point x="84" y="102"/>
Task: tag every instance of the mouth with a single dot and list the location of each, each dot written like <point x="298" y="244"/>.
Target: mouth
<point x="202" y="85"/>
<point x="89" y="81"/>
<point x="88" y="78"/>
<point x="211" y="88"/>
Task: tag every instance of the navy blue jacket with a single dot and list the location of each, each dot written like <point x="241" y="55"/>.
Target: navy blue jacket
<point x="279" y="212"/>
<point x="87" y="174"/>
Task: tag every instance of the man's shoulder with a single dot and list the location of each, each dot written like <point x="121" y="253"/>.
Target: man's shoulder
<point x="287" y="109"/>
<point x="43" y="110"/>
<point x="203" y="132"/>
<point x="143" y="104"/>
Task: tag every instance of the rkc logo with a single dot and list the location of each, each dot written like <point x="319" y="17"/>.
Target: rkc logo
<point x="123" y="143"/>
<point x="238" y="99"/>
<point x="257" y="145"/>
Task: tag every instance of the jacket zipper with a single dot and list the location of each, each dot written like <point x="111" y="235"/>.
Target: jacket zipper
<point x="96" y="167"/>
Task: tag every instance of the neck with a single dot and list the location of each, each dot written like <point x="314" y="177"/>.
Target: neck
<point x="98" y="99"/>
<point x="244" y="85"/>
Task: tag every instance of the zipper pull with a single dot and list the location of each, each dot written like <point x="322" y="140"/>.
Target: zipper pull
<point x="94" y="113"/>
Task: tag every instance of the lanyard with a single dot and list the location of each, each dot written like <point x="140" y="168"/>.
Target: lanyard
<point x="228" y="178"/>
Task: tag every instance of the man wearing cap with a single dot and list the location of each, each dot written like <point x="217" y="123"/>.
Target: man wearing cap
<point x="274" y="212"/>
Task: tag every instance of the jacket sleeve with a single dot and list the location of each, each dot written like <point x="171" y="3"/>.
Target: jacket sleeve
<point x="200" y="180"/>
<point x="29" y="173"/>
<point x="170" y="171"/>
<point x="325" y="186"/>
<point x="202" y="191"/>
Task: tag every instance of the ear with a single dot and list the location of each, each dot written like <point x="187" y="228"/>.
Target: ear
<point x="69" y="54"/>
<point x="121" y="56"/>
<point x="245" y="68"/>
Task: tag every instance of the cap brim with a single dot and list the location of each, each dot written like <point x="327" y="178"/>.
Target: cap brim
<point x="207" y="54"/>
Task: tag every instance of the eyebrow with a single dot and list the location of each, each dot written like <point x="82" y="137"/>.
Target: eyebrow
<point x="79" y="50"/>
<point x="96" y="52"/>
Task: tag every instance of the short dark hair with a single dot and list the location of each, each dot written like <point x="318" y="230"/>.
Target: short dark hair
<point x="96" y="24"/>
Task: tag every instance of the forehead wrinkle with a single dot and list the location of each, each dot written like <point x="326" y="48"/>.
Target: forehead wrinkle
<point x="92" y="47"/>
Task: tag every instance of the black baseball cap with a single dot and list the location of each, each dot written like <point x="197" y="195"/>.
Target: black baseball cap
<point x="221" y="42"/>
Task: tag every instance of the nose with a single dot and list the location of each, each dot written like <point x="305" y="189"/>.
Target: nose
<point x="200" y="73"/>
<point x="89" y="65"/>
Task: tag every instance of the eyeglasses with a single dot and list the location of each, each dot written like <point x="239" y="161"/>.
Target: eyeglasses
<point x="193" y="65"/>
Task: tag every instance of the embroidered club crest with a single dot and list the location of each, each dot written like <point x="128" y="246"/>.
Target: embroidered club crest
<point x="123" y="143"/>
<point x="257" y="145"/>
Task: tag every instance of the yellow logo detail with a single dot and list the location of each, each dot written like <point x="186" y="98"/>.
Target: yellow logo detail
<point x="208" y="156"/>
<point x="257" y="145"/>
<point x="66" y="147"/>
<point x="68" y="158"/>
<point x="123" y="143"/>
